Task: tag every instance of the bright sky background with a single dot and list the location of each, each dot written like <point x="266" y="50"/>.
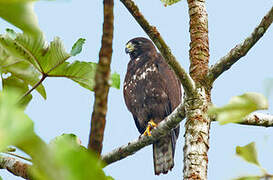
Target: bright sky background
<point x="68" y="106"/>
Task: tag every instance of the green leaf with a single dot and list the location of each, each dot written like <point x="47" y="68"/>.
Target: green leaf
<point x="66" y="137"/>
<point x="54" y="56"/>
<point x="169" y="2"/>
<point x="115" y="80"/>
<point x="22" y="72"/>
<point x="81" y="72"/>
<point x="12" y="83"/>
<point x="77" y="162"/>
<point x="20" y="13"/>
<point x="15" y="126"/>
<point x="77" y="47"/>
<point x="248" y="153"/>
<point x="37" y="58"/>
<point x="239" y="107"/>
<point x="24" y="47"/>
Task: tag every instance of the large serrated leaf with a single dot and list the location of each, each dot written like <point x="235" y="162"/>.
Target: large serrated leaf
<point x="15" y="126"/>
<point x="82" y="73"/>
<point x="50" y="60"/>
<point x="248" y="153"/>
<point x="20" y="13"/>
<point x="54" y="57"/>
<point x="239" y="107"/>
<point x="22" y="70"/>
<point x="24" y="47"/>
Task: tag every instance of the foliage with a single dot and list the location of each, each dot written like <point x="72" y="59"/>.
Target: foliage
<point x="248" y="153"/>
<point x="239" y="107"/>
<point x="63" y="159"/>
<point x="77" y="47"/>
<point x="28" y="59"/>
<point x="13" y="121"/>
<point x="20" y="13"/>
<point x="169" y="2"/>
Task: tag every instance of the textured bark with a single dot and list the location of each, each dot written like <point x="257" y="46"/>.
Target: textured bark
<point x="199" y="45"/>
<point x="15" y="166"/>
<point x="161" y="130"/>
<point x="152" y="32"/>
<point x="258" y="119"/>
<point x="102" y="80"/>
<point x="241" y="49"/>
<point x="198" y="123"/>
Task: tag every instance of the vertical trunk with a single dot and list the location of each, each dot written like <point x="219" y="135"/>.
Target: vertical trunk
<point x="198" y="124"/>
<point x="102" y="78"/>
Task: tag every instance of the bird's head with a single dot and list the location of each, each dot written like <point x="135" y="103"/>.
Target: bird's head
<point x="138" y="46"/>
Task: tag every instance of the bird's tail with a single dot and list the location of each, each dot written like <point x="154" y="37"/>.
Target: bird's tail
<point x="163" y="151"/>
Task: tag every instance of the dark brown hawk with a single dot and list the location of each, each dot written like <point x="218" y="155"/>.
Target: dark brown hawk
<point x="151" y="92"/>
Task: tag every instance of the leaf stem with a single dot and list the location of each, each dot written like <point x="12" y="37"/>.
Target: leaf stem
<point x="34" y="87"/>
<point x="21" y="157"/>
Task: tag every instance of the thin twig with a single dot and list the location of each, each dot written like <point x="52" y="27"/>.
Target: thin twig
<point x="16" y="155"/>
<point x="33" y="87"/>
<point x="101" y="80"/>
<point x="162" y="129"/>
<point x="241" y="49"/>
<point x="152" y="32"/>
<point x="16" y="167"/>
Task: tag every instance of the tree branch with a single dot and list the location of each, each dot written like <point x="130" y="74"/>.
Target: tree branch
<point x="162" y="129"/>
<point x="102" y="78"/>
<point x="241" y="49"/>
<point x="258" y="119"/>
<point x="15" y="166"/>
<point x="254" y="119"/>
<point x="152" y="32"/>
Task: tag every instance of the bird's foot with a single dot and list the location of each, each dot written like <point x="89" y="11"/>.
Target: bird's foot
<point x="151" y="125"/>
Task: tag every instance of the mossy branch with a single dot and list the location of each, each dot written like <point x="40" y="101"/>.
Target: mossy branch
<point x="241" y="49"/>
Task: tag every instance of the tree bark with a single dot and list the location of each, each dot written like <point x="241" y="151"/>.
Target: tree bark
<point x="198" y="123"/>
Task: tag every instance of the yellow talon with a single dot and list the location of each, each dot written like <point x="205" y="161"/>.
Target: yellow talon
<point x="151" y="125"/>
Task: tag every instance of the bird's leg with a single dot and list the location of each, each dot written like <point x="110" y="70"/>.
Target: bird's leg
<point x="151" y="125"/>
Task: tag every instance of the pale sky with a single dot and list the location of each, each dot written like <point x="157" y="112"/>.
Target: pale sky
<point x="68" y="106"/>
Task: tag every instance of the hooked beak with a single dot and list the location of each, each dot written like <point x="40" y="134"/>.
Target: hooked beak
<point x="129" y="47"/>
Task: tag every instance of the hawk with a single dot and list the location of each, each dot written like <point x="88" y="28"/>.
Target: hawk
<point x="151" y="92"/>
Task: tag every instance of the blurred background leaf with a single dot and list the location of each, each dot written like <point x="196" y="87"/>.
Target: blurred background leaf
<point x="248" y="153"/>
<point x="169" y="2"/>
<point x="20" y="13"/>
<point x="239" y="107"/>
